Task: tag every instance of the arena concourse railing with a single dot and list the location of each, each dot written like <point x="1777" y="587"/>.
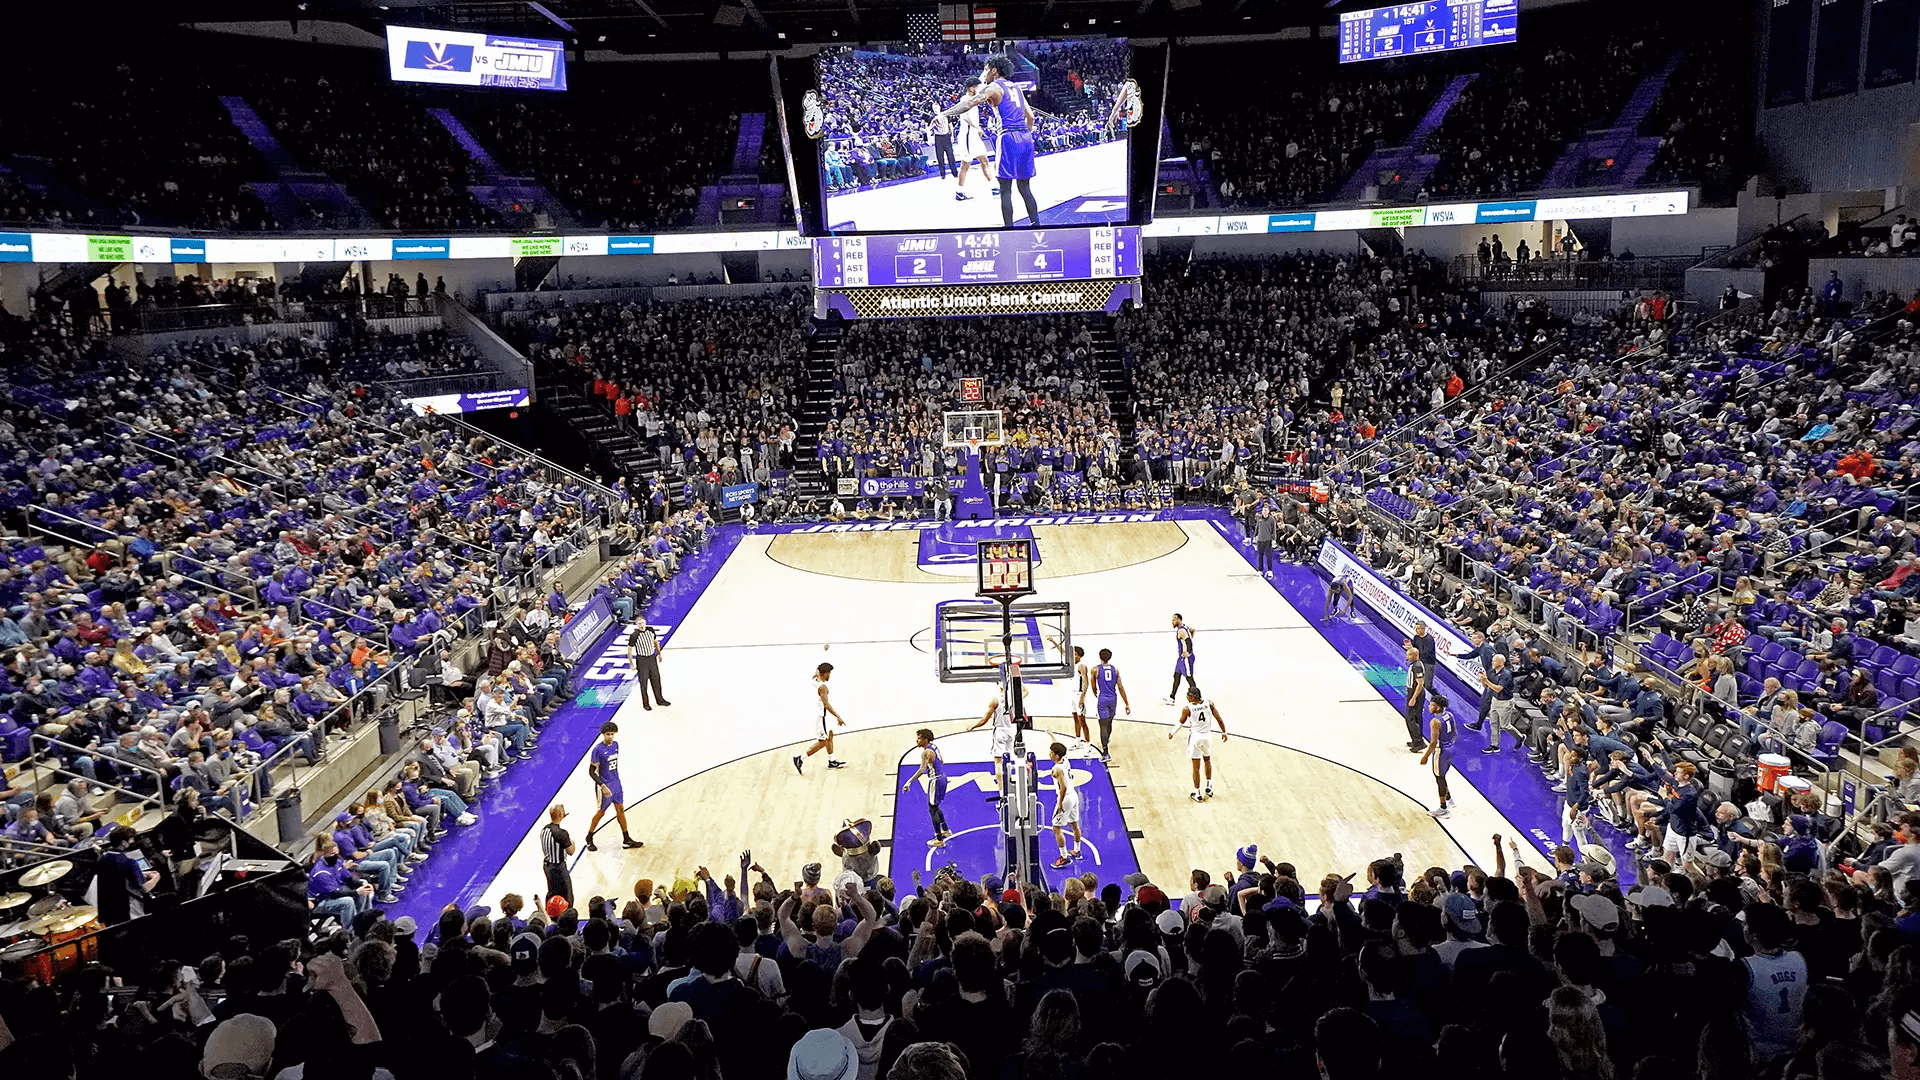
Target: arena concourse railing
<point x="54" y="767"/>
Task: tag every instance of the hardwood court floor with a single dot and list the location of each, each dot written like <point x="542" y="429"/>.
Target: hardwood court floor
<point x="713" y="774"/>
<point x="1065" y="551"/>
<point x="1316" y="813"/>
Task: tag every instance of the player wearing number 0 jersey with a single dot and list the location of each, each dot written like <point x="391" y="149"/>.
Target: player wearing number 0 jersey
<point x="1193" y="720"/>
<point x="1066" y="810"/>
<point x="1109" y="693"/>
<point x="1441" y="733"/>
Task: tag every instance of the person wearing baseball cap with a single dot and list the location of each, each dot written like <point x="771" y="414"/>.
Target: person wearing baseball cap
<point x="1464" y="927"/>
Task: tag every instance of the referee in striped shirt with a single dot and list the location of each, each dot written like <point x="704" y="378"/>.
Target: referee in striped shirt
<point x="555" y="847"/>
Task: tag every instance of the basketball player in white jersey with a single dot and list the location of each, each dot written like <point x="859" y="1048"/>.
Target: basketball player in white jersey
<point x="1077" y="705"/>
<point x="1000" y="715"/>
<point x="823" y="734"/>
<point x="1066" y="810"/>
<point x="1193" y="720"/>
<point x="969" y="145"/>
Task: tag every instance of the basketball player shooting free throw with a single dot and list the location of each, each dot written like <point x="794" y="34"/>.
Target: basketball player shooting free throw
<point x="1014" y="156"/>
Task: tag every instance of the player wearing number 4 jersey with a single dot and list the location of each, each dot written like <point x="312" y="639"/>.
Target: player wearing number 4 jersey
<point x="1193" y="721"/>
<point x="1013" y="149"/>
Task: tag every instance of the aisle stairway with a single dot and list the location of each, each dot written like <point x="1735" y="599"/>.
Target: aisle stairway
<point x="1408" y="161"/>
<point x="816" y="407"/>
<point x="1616" y="156"/>
<point x="1116" y="383"/>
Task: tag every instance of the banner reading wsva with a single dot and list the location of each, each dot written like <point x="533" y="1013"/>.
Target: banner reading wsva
<point x="1400" y="611"/>
<point x="454" y="58"/>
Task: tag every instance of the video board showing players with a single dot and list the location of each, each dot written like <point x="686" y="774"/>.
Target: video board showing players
<point x="956" y="135"/>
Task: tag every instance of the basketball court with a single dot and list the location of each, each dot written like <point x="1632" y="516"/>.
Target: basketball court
<point x="1314" y="769"/>
<point x="1085" y="186"/>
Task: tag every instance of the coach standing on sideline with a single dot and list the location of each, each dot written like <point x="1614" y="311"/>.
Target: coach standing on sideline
<point x="555" y="848"/>
<point x="644" y="645"/>
<point x="1263" y="540"/>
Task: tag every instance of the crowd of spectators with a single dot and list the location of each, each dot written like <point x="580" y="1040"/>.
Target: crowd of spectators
<point x="1227" y="354"/>
<point x="1704" y="132"/>
<point x="1550" y="970"/>
<point x="375" y="135"/>
<point x="638" y="166"/>
<point x="1512" y="123"/>
<point x="702" y="381"/>
<point x="137" y="145"/>
<point x="897" y="378"/>
<point x="1272" y="137"/>
<point x="232" y="543"/>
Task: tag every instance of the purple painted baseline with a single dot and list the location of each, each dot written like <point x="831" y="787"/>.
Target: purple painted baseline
<point x="469" y="858"/>
<point x="1508" y="780"/>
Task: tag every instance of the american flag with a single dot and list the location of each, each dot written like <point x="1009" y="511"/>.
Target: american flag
<point x="923" y="25"/>
<point x="967" y="22"/>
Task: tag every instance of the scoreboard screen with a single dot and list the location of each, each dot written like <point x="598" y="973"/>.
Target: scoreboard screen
<point x="1006" y="567"/>
<point x="1427" y="27"/>
<point x="977" y="258"/>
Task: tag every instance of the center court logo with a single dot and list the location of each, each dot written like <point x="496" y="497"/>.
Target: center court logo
<point x="439" y="56"/>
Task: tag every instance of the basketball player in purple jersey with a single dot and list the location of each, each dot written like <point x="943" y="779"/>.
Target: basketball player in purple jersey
<point x="603" y="768"/>
<point x="1014" y="154"/>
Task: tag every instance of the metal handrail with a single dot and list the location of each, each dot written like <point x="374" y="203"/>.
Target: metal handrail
<point x="159" y="776"/>
<point x="252" y="602"/>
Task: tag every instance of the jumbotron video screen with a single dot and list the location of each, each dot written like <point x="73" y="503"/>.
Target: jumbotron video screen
<point x="949" y="135"/>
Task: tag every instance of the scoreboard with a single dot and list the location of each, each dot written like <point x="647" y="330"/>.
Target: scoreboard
<point x="1427" y="27"/>
<point x="1006" y="567"/>
<point x="977" y="258"/>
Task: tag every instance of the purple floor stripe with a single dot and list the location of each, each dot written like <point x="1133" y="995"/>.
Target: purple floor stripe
<point x="470" y="858"/>
<point x="1513" y="785"/>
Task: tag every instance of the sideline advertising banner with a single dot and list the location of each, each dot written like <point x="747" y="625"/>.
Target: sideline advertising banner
<point x="1399" y="610"/>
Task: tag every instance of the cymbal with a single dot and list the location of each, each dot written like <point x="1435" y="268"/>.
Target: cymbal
<point x="13" y="899"/>
<point x="46" y="873"/>
<point x="12" y="929"/>
<point x="71" y="919"/>
<point x="44" y="924"/>
<point x="46" y="904"/>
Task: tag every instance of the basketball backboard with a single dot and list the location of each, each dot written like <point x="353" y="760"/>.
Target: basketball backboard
<point x="969" y="640"/>
<point x="976" y="429"/>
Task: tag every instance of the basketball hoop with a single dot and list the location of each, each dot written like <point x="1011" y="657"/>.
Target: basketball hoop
<point x="1000" y="660"/>
<point x="973" y="444"/>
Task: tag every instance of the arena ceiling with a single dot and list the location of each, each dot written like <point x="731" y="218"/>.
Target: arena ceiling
<point x="643" y="26"/>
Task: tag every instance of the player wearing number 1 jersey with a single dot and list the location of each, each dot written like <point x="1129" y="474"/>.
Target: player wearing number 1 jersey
<point x="823" y="734"/>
